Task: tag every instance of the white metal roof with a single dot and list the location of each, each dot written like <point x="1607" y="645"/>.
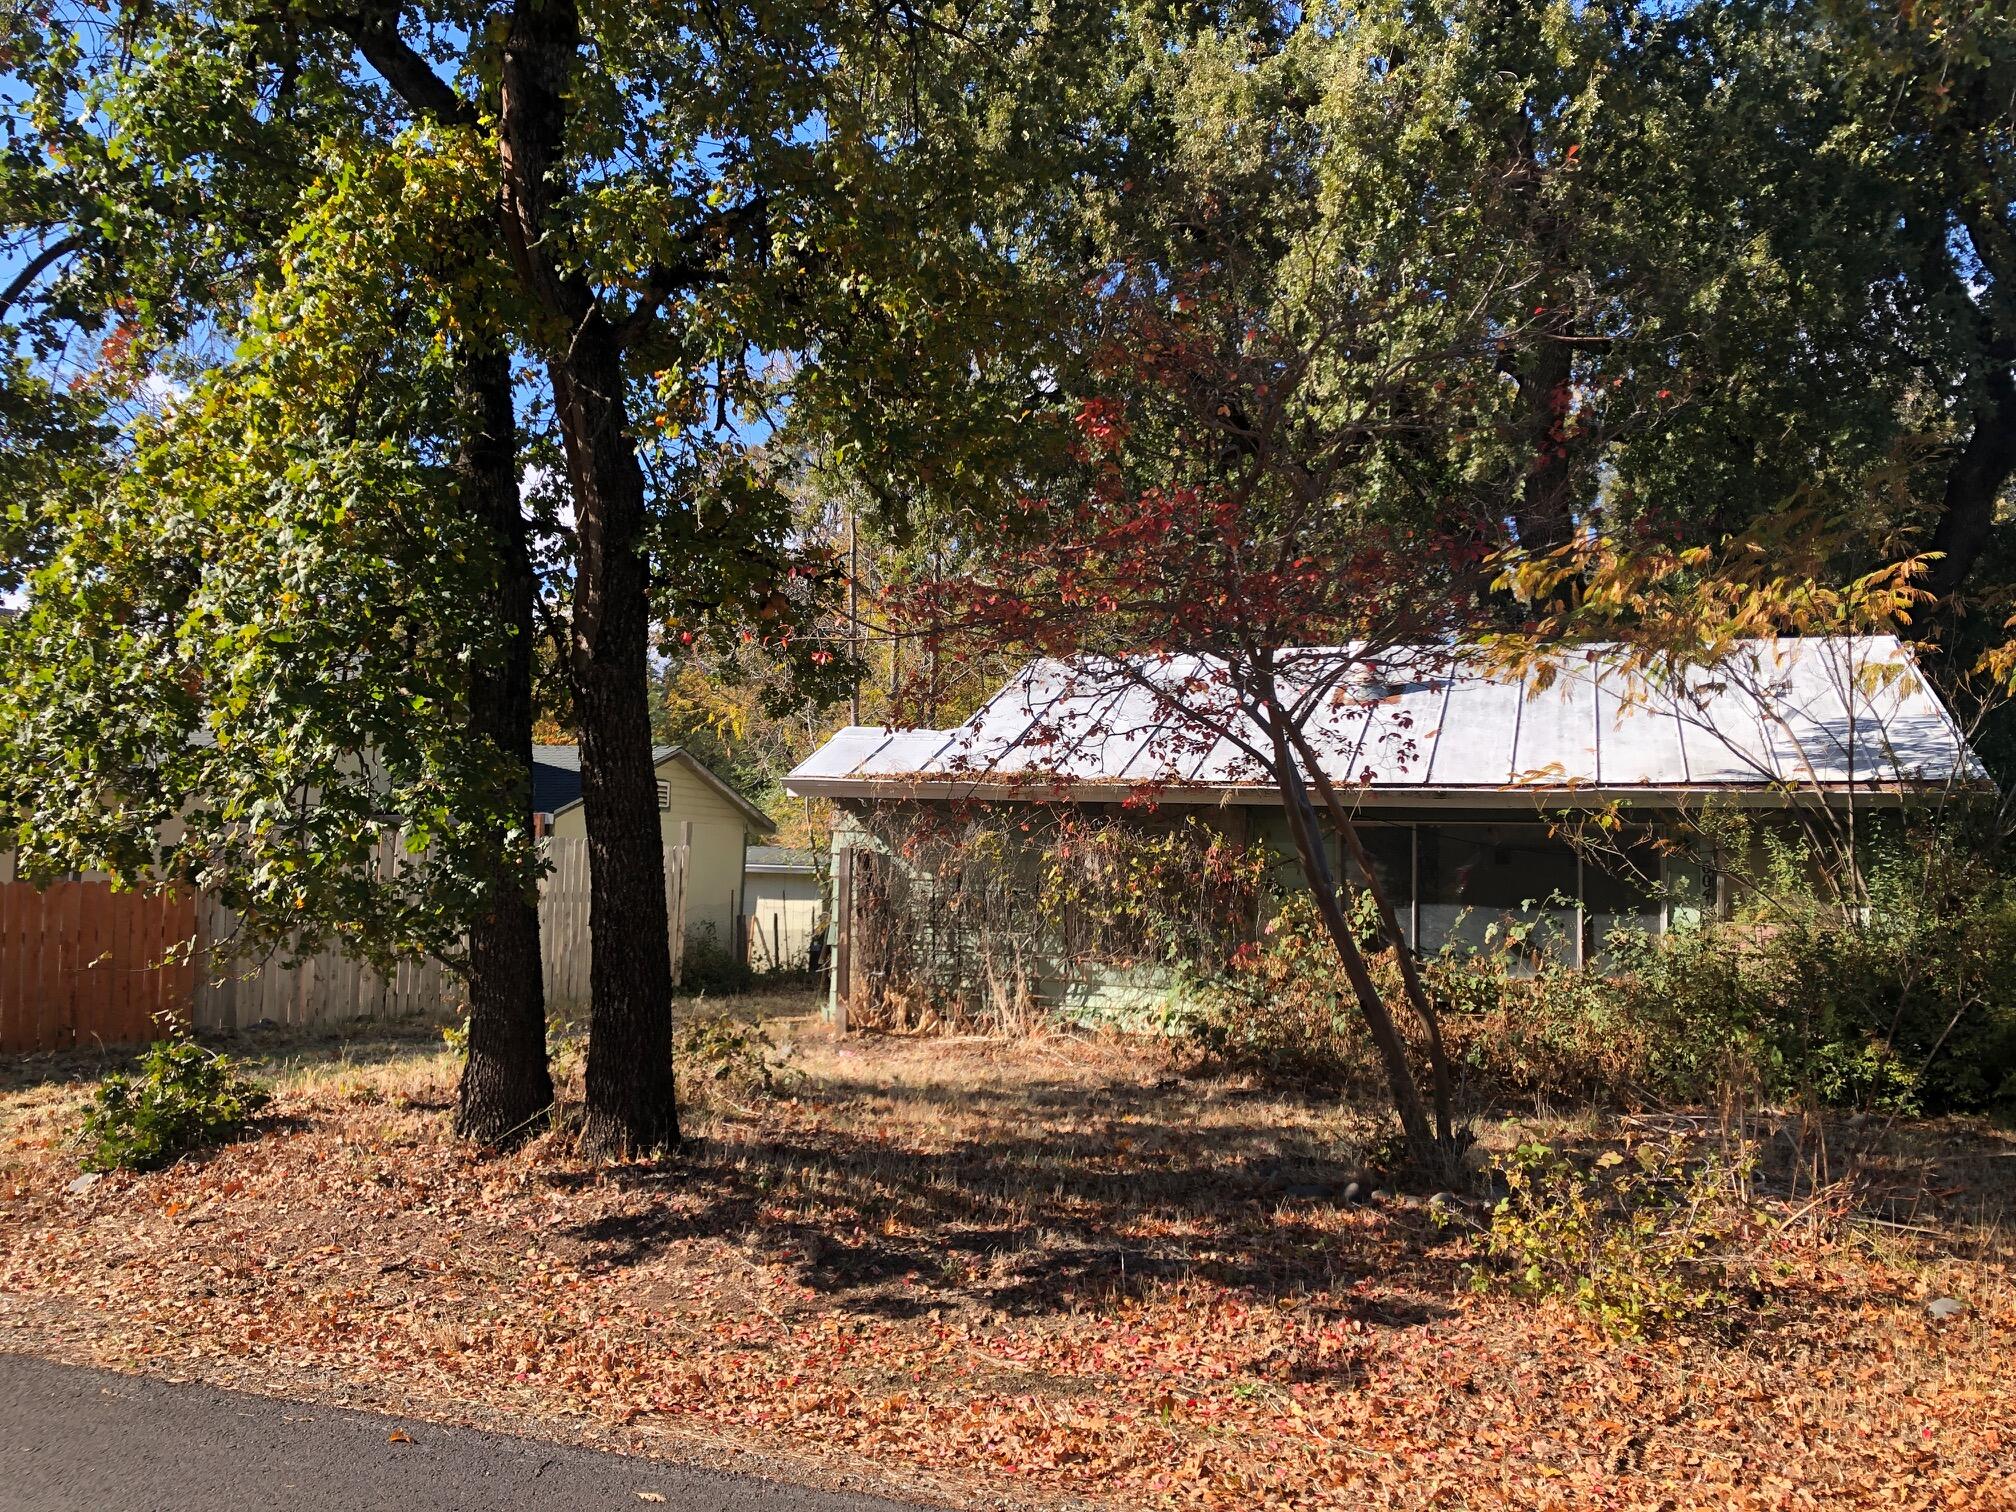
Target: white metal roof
<point x="1839" y="715"/>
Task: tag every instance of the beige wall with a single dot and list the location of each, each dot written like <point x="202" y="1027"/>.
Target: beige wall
<point x="720" y="831"/>
<point x="782" y="908"/>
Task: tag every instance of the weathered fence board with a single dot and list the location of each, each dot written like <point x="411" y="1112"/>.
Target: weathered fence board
<point x="780" y="941"/>
<point x="566" y="952"/>
<point x="326" y="987"/>
<point x="81" y="964"/>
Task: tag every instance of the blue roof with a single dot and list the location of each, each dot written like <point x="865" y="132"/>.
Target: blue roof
<point x="556" y="774"/>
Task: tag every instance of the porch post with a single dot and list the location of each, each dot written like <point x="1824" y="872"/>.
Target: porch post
<point x="842" y="991"/>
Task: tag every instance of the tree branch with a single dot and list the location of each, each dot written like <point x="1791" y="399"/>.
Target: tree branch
<point x="376" y="34"/>
<point x="690" y="270"/>
<point x="37" y="265"/>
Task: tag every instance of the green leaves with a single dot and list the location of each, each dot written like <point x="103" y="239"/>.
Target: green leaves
<point x="178" y="1099"/>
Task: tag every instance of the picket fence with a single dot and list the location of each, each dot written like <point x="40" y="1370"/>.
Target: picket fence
<point x="81" y="964"/>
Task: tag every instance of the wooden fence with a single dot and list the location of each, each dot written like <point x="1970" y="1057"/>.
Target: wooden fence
<point x="565" y="949"/>
<point x="81" y="964"/>
<point x="780" y="939"/>
<point x="325" y="988"/>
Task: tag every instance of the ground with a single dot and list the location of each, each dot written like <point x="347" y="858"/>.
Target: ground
<point x="1049" y="1272"/>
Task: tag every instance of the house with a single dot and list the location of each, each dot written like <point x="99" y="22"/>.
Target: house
<point x="1459" y="779"/>
<point x="724" y="823"/>
<point x="785" y="899"/>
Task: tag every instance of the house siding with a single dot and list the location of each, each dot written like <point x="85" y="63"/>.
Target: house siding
<point x="714" y="896"/>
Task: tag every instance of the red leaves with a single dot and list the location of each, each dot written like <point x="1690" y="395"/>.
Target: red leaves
<point x="1103" y="421"/>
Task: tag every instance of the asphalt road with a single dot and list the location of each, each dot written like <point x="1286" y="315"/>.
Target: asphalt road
<point x="89" y="1439"/>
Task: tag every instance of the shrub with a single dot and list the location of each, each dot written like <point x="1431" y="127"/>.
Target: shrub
<point x="179" y="1097"/>
<point x="722" y="1051"/>
<point x="1283" y="1009"/>
<point x="709" y="968"/>
<point x="1635" y="1240"/>
<point x="1901" y="1004"/>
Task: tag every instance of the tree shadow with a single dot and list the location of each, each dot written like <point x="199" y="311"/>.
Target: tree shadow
<point x="1044" y="1222"/>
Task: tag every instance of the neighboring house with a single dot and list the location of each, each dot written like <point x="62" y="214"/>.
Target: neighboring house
<point x="785" y="905"/>
<point x="724" y="823"/>
<point x="1458" y="779"/>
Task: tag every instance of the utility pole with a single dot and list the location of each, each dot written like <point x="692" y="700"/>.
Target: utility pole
<point x="854" y="614"/>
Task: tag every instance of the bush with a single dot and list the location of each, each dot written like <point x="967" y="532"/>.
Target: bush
<point x="1635" y="1240"/>
<point x="710" y="969"/>
<point x="1902" y="1004"/>
<point x="722" y="1051"/>
<point x="1283" y="1009"/>
<point x="179" y="1097"/>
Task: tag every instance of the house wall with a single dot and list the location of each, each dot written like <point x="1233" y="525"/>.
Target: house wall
<point x="1462" y="879"/>
<point x="720" y="836"/>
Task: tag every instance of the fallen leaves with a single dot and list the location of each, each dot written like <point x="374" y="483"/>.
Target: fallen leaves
<point x="928" y="1260"/>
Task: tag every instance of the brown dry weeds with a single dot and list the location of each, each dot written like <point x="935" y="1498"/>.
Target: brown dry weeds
<point x="1037" y="1273"/>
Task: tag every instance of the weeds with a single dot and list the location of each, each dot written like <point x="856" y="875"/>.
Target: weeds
<point x="1633" y="1239"/>
<point x="721" y="1050"/>
<point x="179" y="1097"/>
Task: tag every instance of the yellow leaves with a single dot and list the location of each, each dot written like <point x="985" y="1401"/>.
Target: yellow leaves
<point x="1688" y="605"/>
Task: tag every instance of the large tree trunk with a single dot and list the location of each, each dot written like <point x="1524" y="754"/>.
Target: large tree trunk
<point x="507" y="1091"/>
<point x="632" y="1108"/>
<point x="1544" y="502"/>
<point x="631" y="1105"/>
<point x="1975" y="480"/>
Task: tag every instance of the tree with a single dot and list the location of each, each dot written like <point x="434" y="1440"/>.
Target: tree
<point x="705" y="222"/>
<point x="1394" y="290"/>
<point x="679" y="189"/>
<point x="1242" y="555"/>
<point x="193" y="198"/>
<point x="1927" y="91"/>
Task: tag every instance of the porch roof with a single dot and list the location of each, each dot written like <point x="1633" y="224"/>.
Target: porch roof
<point x="1845" y="717"/>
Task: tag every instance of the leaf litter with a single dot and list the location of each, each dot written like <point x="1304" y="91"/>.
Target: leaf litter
<point x="1010" y="1276"/>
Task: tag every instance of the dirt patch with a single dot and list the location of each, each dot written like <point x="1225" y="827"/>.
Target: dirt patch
<point x="995" y="1274"/>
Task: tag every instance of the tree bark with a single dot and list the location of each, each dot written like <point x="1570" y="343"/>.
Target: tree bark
<point x="1422" y="1144"/>
<point x="1974" y="482"/>
<point x="632" y="1108"/>
<point x="1545" y="504"/>
<point x="1410" y="971"/>
<point x="506" y="1094"/>
<point x="632" y="1103"/>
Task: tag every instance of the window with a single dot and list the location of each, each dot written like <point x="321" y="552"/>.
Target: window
<point x="1521" y="890"/>
<point x="1391" y="849"/>
<point x="1617" y="895"/>
<point x="1498" y="887"/>
<point x="664" y="794"/>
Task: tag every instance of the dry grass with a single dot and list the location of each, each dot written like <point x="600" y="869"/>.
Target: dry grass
<point x="1018" y="1273"/>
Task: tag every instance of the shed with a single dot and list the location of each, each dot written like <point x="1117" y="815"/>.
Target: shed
<point x="786" y="904"/>
<point x="1454" y="770"/>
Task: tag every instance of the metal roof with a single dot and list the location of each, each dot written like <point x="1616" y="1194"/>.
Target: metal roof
<point x="1837" y="714"/>
<point x="777" y="858"/>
